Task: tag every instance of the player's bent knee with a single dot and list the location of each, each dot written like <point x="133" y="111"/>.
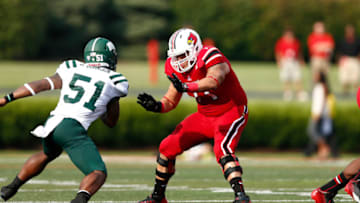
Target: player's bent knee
<point x="96" y="169"/>
<point x="170" y="147"/>
<point x="51" y="156"/>
<point x="100" y="174"/>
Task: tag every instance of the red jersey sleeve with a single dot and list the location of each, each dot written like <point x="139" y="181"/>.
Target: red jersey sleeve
<point x="210" y="56"/>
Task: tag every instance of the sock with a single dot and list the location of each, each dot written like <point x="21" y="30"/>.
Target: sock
<point x="335" y="184"/>
<point x="83" y="195"/>
<point x="237" y="185"/>
<point x="16" y="183"/>
<point x="159" y="189"/>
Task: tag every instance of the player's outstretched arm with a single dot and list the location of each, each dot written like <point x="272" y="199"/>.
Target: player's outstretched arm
<point x="171" y="99"/>
<point x="111" y="116"/>
<point x="32" y="88"/>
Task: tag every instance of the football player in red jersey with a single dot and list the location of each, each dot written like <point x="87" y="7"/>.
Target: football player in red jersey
<point x="349" y="178"/>
<point x="204" y="73"/>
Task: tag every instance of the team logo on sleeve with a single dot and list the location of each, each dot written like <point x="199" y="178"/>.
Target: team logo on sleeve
<point x="191" y="39"/>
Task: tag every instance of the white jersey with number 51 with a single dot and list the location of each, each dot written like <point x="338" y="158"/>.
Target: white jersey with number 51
<point x="86" y="91"/>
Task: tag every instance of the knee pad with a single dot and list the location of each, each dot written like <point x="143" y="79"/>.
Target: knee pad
<point x="169" y="164"/>
<point x="230" y="158"/>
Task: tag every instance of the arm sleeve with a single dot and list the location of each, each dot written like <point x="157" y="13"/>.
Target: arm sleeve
<point x="61" y="70"/>
<point x="212" y="57"/>
<point x="122" y="88"/>
<point x="120" y="84"/>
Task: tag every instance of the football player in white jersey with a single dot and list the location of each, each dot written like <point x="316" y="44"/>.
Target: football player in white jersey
<point x="88" y="91"/>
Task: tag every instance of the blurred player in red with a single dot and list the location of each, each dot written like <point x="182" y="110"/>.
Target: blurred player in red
<point x="321" y="46"/>
<point x="204" y="73"/>
<point x="289" y="60"/>
<point x="349" y="178"/>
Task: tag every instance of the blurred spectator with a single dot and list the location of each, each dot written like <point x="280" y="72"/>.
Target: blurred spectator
<point x="289" y="60"/>
<point x="320" y="129"/>
<point x="349" y="67"/>
<point x="321" y="46"/>
<point x="199" y="152"/>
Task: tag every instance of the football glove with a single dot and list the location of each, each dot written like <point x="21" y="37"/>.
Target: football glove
<point x="149" y="103"/>
<point x="180" y="86"/>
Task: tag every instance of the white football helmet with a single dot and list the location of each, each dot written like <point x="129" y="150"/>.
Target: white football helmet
<point x="185" y="42"/>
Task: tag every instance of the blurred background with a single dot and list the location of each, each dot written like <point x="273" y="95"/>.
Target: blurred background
<point x="37" y="35"/>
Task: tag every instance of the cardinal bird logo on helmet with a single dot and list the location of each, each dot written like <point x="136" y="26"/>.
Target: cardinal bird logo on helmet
<point x="191" y="39"/>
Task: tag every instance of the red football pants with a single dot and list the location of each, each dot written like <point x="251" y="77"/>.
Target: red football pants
<point x="225" y="129"/>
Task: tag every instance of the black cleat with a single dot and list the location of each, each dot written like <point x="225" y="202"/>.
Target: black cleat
<point x="7" y="192"/>
<point x="242" y="198"/>
<point x="150" y="199"/>
<point x="76" y="200"/>
<point x="81" y="197"/>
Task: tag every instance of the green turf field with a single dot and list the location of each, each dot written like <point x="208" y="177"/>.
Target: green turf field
<point x="268" y="177"/>
<point x="259" y="79"/>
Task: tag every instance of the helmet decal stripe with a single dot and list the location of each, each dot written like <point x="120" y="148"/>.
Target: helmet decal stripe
<point x="174" y="39"/>
<point x="93" y="45"/>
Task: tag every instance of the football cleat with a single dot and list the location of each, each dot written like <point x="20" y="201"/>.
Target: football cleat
<point x="353" y="189"/>
<point x="349" y="188"/>
<point x="150" y="199"/>
<point x="322" y="197"/>
<point x="7" y="192"/>
<point x="76" y="200"/>
<point x="242" y="198"/>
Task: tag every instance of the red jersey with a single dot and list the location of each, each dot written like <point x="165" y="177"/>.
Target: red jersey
<point x="224" y="97"/>
<point x="287" y="48"/>
<point x="315" y="39"/>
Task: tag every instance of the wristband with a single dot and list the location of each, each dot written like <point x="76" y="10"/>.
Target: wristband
<point x="193" y="86"/>
<point x="30" y="89"/>
<point x="50" y="83"/>
<point x="9" y="97"/>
